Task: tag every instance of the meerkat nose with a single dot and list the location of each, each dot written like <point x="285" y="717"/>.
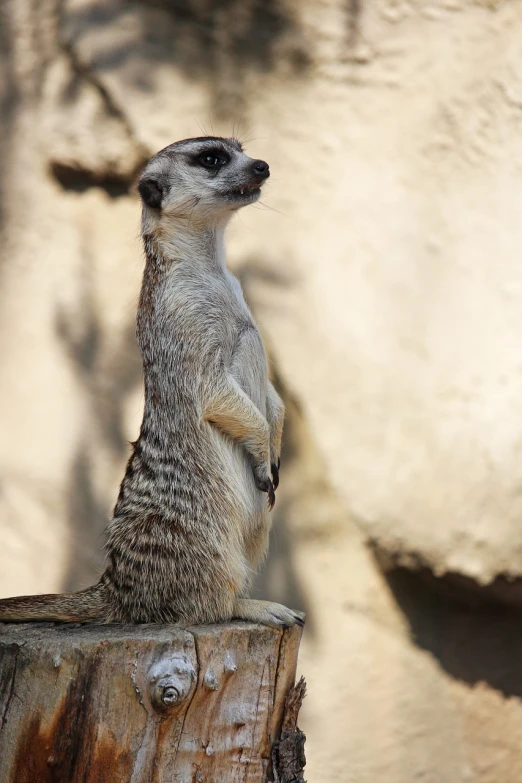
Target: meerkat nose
<point x="261" y="169"/>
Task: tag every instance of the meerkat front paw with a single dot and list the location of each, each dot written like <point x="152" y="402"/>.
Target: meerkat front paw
<point x="264" y="483"/>
<point x="267" y="613"/>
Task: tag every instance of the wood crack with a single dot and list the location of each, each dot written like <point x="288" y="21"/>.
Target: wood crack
<point x="253" y="742"/>
<point x="196" y="650"/>
<point x="10" y="693"/>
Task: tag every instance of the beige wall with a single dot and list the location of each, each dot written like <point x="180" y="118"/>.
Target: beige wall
<point x="385" y="270"/>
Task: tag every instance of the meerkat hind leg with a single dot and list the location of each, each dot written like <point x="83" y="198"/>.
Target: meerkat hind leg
<point x="266" y="613"/>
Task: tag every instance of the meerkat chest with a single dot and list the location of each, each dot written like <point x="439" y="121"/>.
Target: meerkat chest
<point x="248" y="360"/>
<point x="237" y="293"/>
<point x="209" y="319"/>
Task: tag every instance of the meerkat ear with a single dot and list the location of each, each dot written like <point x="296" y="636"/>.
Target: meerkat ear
<point x="151" y="192"/>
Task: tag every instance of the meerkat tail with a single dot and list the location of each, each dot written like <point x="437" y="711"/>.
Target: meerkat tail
<point x="85" y="606"/>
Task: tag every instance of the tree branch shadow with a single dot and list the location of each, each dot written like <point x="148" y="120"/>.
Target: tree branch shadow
<point x="218" y="42"/>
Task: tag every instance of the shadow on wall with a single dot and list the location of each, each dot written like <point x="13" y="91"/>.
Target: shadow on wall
<point x="106" y="381"/>
<point x="80" y="181"/>
<point x="278" y="579"/>
<point x="473" y="637"/>
<point x="9" y="100"/>
<point x="216" y="41"/>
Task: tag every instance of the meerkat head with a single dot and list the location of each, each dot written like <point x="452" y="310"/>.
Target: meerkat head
<point x="202" y="180"/>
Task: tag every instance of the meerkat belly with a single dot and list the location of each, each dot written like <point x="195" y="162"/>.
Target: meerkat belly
<point x="249" y="366"/>
<point x="234" y="468"/>
<point x="221" y="328"/>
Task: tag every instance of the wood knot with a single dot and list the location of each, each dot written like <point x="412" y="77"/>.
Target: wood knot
<point x="210" y="681"/>
<point x="170" y="681"/>
<point x="229" y="664"/>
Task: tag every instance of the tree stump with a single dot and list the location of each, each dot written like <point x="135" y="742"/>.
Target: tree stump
<point x="147" y="703"/>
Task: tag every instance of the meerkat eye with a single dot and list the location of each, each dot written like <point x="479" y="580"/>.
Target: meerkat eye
<point x="213" y="160"/>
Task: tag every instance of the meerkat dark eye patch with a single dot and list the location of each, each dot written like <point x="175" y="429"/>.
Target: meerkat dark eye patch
<point x="151" y="192"/>
<point x="213" y="159"/>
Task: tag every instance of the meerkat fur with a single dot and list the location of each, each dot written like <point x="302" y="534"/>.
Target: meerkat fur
<point x="191" y="522"/>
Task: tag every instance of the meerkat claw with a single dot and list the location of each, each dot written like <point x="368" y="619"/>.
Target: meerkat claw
<point x="284" y="617"/>
<point x="267" y="613"/>
<point x="271" y="497"/>
<point x="265" y="485"/>
<point x="275" y="473"/>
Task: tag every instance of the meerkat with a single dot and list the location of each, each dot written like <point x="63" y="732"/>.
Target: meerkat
<point x="191" y="522"/>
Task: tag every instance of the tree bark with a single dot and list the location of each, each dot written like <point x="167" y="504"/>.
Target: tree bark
<point x="145" y="704"/>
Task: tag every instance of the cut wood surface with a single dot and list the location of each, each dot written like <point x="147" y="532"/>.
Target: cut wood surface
<point x="144" y="704"/>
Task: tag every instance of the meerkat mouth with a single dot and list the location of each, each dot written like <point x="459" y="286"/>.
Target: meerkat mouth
<point x="246" y="193"/>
